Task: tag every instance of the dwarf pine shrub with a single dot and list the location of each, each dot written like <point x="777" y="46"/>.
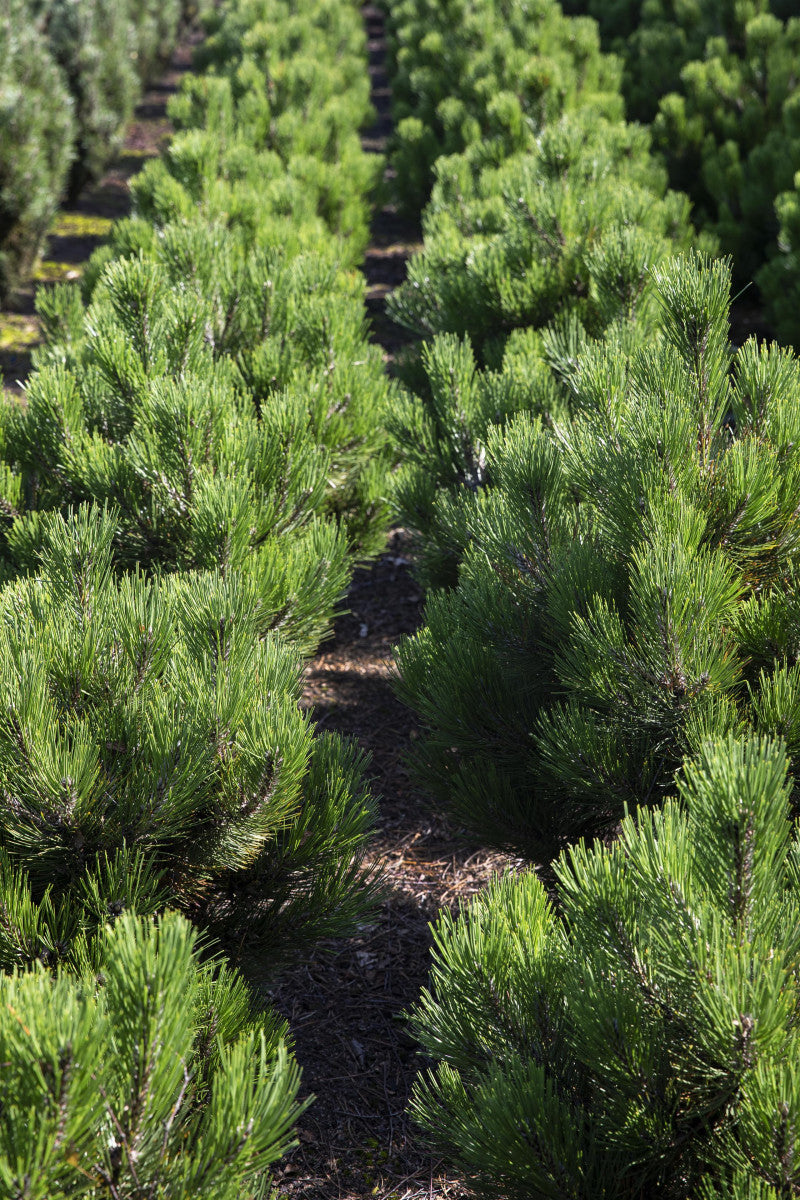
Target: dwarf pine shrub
<point x="152" y="750"/>
<point x="573" y="225"/>
<point x="155" y="1077"/>
<point x="280" y="340"/>
<point x="36" y="142"/>
<point x="140" y="414"/>
<point x="629" y="586"/>
<point x="655" y="41"/>
<point x="641" y="1038"/>
<point x="525" y="261"/>
<point x="494" y="72"/>
<point x="156" y="24"/>
<point x="719" y="81"/>
<point x="283" y="97"/>
<point x="731" y="134"/>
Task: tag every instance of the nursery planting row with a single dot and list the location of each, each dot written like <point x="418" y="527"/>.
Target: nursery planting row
<point x="716" y="85"/>
<point x="605" y="497"/>
<point x="197" y="465"/>
<point x="720" y="83"/>
<point x="70" y="74"/>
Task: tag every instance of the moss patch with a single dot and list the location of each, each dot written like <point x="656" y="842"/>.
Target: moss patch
<point x="18" y="333"/>
<point x="57" y="272"/>
<point x="72" y="225"/>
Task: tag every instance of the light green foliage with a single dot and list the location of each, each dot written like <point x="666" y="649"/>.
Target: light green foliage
<point x="155" y="1078"/>
<point x="630" y="584"/>
<point x="572" y="225"/>
<point x="268" y="344"/>
<point x="141" y="414"/>
<point x="36" y="142"/>
<point x="151" y="746"/>
<point x="156" y="24"/>
<point x="252" y="224"/>
<point x="642" y="1039"/>
<point x="285" y="92"/>
<point x="68" y="84"/>
<point x="493" y="72"/>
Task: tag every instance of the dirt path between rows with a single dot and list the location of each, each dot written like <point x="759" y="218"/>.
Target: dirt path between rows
<point x="345" y="1004"/>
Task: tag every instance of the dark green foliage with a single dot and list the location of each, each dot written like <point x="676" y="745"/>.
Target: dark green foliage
<point x="442" y="435"/>
<point x="719" y="79"/>
<point x="528" y="260"/>
<point x="36" y="142"/>
<point x="731" y="135"/>
<point x="493" y="72"/>
<point x="156" y="1078"/>
<point x="656" y="40"/>
<point x="630" y="585"/>
<point x="642" y="1040"/>
<point x="151" y="748"/>
<point x="779" y="280"/>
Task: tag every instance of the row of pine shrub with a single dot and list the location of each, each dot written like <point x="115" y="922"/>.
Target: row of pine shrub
<point x="70" y="74"/>
<point x="198" y="462"/>
<point x="716" y="84"/>
<point x="604" y="495"/>
<point x="720" y="83"/>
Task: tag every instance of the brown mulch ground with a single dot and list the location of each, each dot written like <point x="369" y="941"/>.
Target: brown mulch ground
<point x="81" y="227"/>
<point x="345" y="1004"/>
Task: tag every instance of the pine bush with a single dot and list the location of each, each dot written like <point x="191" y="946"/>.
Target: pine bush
<point x="655" y="41"/>
<point x="157" y="1077"/>
<point x="156" y="24"/>
<point x="36" y="143"/>
<point x="286" y="91"/>
<point x="495" y="72"/>
<point x="572" y="225"/>
<point x="629" y="585"/>
<point x="731" y="135"/>
<point x="719" y="81"/>
<point x="641" y="1038"/>
<point x="152" y="751"/>
<point x="141" y="416"/>
<point x="280" y="339"/>
<point x="525" y="261"/>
